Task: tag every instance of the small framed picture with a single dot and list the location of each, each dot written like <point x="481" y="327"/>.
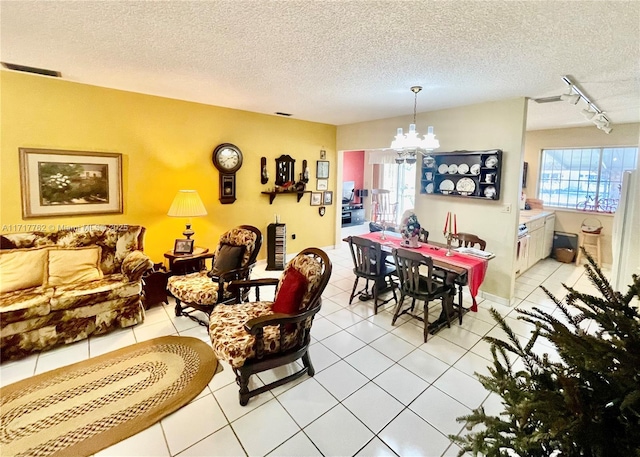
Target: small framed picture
<point x="328" y="197"/>
<point x="183" y="246"/>
<point x="323" y="184"/>
<point x="322" y="169"/>
<point x="316" y="198"/>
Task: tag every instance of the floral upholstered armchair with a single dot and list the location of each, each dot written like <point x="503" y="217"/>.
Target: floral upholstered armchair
<point x="233" y="258"/>
<point x="258" y="336"/>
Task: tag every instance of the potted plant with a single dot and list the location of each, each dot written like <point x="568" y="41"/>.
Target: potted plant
<point x="585" y="404"/>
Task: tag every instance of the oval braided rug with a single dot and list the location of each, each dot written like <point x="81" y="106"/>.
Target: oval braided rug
<point x="88" y="406"/>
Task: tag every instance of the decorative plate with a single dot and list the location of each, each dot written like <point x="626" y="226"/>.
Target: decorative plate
<point x="466" y="186"/>
<point x="443" y="168"/>
<point x="453" y="169"/>
<point x="490" y="192"/>
<point x="429" y="161"/>
<point x="475" y="169"/>
<point x="491" y="161"/>
<point x="429" y="188"/>
<point x="463" y="168"/>
<point x="446" y="186"/>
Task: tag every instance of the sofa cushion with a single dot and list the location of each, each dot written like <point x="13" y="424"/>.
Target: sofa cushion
<point x="197" y="288"/>
<point x="74" y="265"/>
<point x="311" y="269"/>
<point x="292" y="289"/>
<point x="110" y="287"/>
<point x="228" y="258"/>
<point x="22" y="269"/>
<point x="24" y="304"/>
<point x="239" y="237"/>
<point x="230" y="340"/>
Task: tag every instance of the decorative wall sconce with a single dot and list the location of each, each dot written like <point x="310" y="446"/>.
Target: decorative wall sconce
<point x="264" y="174"/>
<point x="304" y="177"/>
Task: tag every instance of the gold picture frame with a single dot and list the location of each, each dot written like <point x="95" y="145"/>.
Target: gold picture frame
<point x="70" y="183"/>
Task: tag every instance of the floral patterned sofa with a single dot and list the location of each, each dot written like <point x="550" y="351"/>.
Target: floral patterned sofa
<point x="61" y="287"/>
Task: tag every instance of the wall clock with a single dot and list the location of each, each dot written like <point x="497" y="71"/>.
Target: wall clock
<point x="227" y="158"/>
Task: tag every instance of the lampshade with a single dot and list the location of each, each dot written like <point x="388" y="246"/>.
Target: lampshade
<point x="187" y="203"/>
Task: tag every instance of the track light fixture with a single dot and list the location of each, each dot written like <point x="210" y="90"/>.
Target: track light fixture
<point x="592" y="113"/>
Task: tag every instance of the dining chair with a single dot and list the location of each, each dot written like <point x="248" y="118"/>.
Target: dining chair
<point x="470" y="240"/>
<point x="466" y="240"/>
<point x="369" y="264"/>
<point x="233" y="259"/>
<point x="415" y="272"/>
<point x="423" y="236"/>
<point x="382" y="210"/>
<point x="257" y="336"/>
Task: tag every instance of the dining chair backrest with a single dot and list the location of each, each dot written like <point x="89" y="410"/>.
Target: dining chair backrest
<point x="367" y="257"/>
<point x="470" y="240"/>
<point x="423" y="236"/>
<point x="382" y="209"/>
<point x="414" y="281"/>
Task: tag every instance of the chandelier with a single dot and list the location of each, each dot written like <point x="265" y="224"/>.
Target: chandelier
<point x="408" y="145"/>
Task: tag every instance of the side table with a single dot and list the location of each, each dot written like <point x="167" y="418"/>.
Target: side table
<point x="182" y="264"/>
<point x="154" y="285"/>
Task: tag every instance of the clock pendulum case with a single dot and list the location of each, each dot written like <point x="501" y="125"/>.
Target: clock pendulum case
<point x="227" y="158"/>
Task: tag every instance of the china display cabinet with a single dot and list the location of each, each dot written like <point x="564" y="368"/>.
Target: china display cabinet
<point x="467" y="174"/>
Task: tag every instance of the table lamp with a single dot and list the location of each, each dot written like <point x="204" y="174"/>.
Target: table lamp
<point x="187" y="203"/>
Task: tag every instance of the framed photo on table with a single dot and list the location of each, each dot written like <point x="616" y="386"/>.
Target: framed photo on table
<point x="316" y="198"/>
<point x="70" y="183"/>
<point x="183" y="246"/>
<point x="322" y="169"/>
<point x="323" y="184"/>
<point x="328" y="197"/>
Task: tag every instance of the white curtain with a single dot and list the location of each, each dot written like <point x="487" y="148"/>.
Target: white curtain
<point x="382" y="156"/>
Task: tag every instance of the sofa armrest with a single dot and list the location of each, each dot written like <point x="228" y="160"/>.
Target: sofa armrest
<point x="135" y="264"/>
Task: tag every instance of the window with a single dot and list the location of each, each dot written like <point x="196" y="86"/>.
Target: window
<point x="400" y="180"/>
<point x="584" y="179"/>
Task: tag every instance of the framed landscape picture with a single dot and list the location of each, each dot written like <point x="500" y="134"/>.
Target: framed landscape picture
<point x="69" y="183"/>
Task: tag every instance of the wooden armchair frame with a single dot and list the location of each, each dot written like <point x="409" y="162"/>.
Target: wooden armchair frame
<point x="223" y="279"/>
<point x="287" y="323"/>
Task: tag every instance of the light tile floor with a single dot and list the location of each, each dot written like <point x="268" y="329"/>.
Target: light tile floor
<point x="378" y="389"/>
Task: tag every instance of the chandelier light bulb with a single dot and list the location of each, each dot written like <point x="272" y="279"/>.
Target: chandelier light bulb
<point x="409" y="144"/>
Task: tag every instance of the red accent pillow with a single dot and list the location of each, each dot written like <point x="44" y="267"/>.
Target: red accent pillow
<point x="290" y="294"/>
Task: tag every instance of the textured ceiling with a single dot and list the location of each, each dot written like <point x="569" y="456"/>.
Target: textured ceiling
<point x="340" y="62"/>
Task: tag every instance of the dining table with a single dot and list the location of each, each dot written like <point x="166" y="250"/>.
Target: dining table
<point x="462" y="269"/>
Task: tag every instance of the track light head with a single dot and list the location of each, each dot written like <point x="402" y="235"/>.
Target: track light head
<point x="600" y="120"/>
<point x="570" y="98"/>
<point x="606" y="129"/>
<point x="588" y="114"/>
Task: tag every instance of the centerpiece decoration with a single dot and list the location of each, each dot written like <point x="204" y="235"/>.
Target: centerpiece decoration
<point x="410" y="230"/>
<point x="450" y="231"/>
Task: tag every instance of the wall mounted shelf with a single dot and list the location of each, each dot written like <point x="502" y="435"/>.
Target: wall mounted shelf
<point x="467" y="174"/>
<point x="273" y="195"/>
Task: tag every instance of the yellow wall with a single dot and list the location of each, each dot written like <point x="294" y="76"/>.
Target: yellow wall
<point x="495" y="125"/>
<point x="166" y="145"/>
<point x="581" y="137"/>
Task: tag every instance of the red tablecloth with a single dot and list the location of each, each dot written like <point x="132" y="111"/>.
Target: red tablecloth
<point x="475" y="266"/>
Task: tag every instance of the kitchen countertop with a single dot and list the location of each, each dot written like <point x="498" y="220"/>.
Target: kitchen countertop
<point x="533" y="214"/>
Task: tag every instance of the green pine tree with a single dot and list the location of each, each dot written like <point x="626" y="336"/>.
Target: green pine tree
<point x="587" y="404"/>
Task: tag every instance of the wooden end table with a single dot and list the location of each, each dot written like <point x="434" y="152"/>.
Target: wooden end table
<point x="182" y="264"/>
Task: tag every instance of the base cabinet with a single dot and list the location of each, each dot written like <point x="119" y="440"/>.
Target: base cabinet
<point x="352" y="215"/>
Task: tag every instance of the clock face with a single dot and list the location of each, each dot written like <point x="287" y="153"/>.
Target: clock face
<point x="227" y="158"/>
